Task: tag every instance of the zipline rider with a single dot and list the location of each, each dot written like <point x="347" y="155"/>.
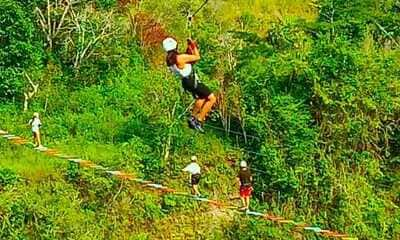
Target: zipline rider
<point x="182" y="66"/>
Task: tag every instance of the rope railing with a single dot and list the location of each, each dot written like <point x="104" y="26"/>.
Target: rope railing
<point x="122" y="175"/>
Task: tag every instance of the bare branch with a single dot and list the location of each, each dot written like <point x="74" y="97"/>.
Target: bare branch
<point x="42" y="20"/>
<point x="48" y="17"/>
<point x="63" y="17"/>
<point x="387" y="34"/>
<point x="88" y="45"/>
<point x="30" y="94"/>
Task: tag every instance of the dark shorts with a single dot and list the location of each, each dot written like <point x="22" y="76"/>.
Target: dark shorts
<point x="199" y="91"/>
<point x="195" y="179"/>
<point x="245" y="191"/>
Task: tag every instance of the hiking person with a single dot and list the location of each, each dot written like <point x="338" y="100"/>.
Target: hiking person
<point x="182" y="66"/>
<point x="245" y="179"/>
<point x="35" y="124"/>
<point x="194" y="169"/>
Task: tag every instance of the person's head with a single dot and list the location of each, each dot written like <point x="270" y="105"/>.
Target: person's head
<point x="193" y="158"/>
<point x="171" y="47"/>
<point x="243" y="164"/>
<point x="35" y="115"/>
<point x="169" y="44"/>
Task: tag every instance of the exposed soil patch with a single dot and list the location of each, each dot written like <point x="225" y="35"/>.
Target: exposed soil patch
<point x="150" y="32"/>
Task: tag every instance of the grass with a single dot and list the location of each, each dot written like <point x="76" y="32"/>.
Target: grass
<point x="217" y="180"/>
<point x="65" y="205"/>
<point x="185" y="219"/>
<point x="26" y="163"/>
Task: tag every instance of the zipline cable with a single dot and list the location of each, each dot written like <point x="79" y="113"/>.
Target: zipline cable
<point x="199" y="9"/>
<point x="191" y="15"/>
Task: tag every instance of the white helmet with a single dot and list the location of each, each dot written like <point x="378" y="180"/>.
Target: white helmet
<point x="243" y="164"/>
<point x="36" y="114"/>
<point x="169" y="44"/>
<point x="194" y="158"/>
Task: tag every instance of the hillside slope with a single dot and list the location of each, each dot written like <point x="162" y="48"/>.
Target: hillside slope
<point x="314" y="87"/>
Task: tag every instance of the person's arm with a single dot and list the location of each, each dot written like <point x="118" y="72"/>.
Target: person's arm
<point x="189" y="58"/>
<point x="193" y="49"/>
<point x="182" y="59"/>
<point x="187" y="168"/>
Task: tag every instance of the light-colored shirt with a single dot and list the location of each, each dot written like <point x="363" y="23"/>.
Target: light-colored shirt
<point x="35" y="123"/>
<point x="185" y="72"/>
<point x="192" y="168"/>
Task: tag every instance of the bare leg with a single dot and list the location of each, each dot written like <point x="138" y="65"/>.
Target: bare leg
<point x="38" y="139"/>
<point x="197" y="107"/>
<point x="34" y="139"/>
<point x="247" y="200"/>
<point x="196" y="189"/>
<point x="243" y="202"/>
<point x="207" y="107"/>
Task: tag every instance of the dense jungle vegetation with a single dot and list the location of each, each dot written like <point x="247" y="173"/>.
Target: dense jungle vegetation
<point x="312" y="86"/>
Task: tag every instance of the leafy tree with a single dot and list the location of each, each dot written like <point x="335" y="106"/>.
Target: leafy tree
<point x="20" y="49"/>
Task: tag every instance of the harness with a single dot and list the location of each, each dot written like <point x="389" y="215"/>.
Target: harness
<point x="193" y="77"/>
<point x="190" y="83"/>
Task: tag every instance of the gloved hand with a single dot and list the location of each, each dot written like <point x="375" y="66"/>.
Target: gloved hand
<point x="191" y="46"/>
<point x="191" y="43"/>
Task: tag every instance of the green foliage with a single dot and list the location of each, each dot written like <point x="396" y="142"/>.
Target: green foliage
<point x="106" y="4"/>
<point x="247" y="228"/>
<point x="353" y="18"/>
<point x="171" y="203"/>
<point x="316" y="101"/>
<point x="7" y="178"/>
<point x="321" y="98"/>
<point x="20" y="49"/>
<point x="72" y="172"/>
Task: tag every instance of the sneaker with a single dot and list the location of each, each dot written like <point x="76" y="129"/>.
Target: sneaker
<point x="41" y="148"/>
<point x="198" y="195"/>
<point x="198" y="126"/>
<point x="245" y="209"/>
<point x="192" y="122"/>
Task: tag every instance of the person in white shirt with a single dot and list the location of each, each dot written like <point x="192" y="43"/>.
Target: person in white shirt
<point x="35" y="123"/>
<point x="194" y="169"/>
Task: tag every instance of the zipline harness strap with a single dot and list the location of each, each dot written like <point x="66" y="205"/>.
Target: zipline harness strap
<point x="189" y="27"/>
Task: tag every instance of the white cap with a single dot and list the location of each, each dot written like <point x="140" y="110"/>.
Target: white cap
<point x="36" y="114"/>
<point x="169" y="44"/>
<point x="243" y="164"/>
<point x="194" y="158"/>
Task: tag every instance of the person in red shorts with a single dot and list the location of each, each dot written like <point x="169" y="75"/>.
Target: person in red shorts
<point x="245" y="179"/>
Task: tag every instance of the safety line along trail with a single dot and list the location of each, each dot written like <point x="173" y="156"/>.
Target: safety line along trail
<point x="17" y="140"/>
